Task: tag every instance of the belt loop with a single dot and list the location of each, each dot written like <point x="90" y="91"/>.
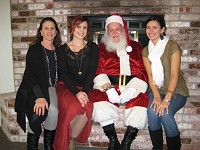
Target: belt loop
<point x="124" y="80"/>
<point x="120" y="80"/>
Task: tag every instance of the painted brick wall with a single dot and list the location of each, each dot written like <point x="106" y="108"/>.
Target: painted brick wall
<point x="182" y="19"/>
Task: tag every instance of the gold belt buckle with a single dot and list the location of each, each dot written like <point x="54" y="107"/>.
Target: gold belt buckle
<point x="122" y="80"/>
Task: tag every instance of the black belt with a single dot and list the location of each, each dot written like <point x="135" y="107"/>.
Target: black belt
<point x="116" y="79"/>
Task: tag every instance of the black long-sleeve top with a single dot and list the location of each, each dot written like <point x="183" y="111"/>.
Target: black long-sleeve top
<point x="69" y="64"/>
<point x="34" y="85"/>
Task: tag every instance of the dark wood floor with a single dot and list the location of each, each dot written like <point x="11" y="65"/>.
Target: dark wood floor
<point x="5" y="144"/>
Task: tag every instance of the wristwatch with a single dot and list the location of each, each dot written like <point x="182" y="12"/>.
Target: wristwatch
<point x="108" y="88"/>
<point x="168" y="101"/>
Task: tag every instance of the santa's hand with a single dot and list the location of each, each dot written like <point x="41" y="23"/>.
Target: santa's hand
<point x="113" y="95"/>
<point x="128" y="94"/>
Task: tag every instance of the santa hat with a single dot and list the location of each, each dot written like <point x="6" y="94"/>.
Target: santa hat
<point x="118" y="19"/>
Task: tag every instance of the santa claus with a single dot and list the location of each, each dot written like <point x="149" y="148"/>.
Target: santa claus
<point x="120" y="80"/>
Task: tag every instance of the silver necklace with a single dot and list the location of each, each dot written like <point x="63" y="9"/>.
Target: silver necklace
<point x="79" y="65"/>
<point x="56" y="76"/>
<point x="77" y="62"/>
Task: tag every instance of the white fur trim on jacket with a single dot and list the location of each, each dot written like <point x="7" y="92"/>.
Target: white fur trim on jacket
<point x="104" y="112"/>
<point x="138" y="84"/>
<point x="136" y="117"/>
<point x="100" y="80"/>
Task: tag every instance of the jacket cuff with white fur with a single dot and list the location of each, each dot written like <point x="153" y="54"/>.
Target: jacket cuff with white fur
<point x="138" y="84"/>
<point x="100" y="80"/>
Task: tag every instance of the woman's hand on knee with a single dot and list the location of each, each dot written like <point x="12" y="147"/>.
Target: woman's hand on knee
<point x="156" y="103"/>
<point x="40" y="106"/>
<point x="164" y="105"/>
<point x="83" y="98"/>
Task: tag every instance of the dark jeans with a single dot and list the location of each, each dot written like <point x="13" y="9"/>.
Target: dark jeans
<point x="167" y="120"/>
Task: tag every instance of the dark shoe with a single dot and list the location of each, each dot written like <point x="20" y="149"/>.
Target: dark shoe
<point x="174" y="143"/>
<point x="157" y="139"/>
<point x="48" y="139"/>
<point x="110" y="132"/>
<point x="129" y="136"/>
<point x="32" y="141"/>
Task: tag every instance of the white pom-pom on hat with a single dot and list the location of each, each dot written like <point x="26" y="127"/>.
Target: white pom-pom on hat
<point x="129" y="49"/>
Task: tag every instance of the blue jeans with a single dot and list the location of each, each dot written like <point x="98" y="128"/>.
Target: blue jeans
<point x="167" y="120"/>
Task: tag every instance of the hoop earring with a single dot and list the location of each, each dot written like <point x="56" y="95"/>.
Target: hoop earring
<point x="161" y="36"/>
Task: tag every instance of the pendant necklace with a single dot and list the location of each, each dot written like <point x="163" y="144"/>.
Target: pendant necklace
<point x="49" y="72"/>
<point x="79" y="65"/>
<point x="77" y="62"/>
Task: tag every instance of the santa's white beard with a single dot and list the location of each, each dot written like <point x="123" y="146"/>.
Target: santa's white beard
<point x="114" y="46"/>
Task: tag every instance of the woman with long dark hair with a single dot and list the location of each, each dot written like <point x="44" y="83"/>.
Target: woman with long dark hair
<point x="168" y="90"/>
<point x="36" y="97"/>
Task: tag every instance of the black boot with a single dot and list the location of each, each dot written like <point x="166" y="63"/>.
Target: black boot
<point x="110" y="132"/>
<point x="32" y="141"/>
<point x="48" y="139"/>
<point x="157" y="139"/>
<point x="129" y="136"/>
<point x="174" y="143"/>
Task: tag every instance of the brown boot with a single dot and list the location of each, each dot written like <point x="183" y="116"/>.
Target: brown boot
<point x="72" y="144"/>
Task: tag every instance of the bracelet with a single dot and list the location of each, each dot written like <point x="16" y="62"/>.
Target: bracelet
<point x="169" y="91"/>
<point x="108" y="88"/>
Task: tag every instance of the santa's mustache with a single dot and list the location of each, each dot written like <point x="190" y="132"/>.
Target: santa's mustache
<point x="114" y="36"/>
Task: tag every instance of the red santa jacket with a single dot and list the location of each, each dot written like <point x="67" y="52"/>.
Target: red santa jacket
<point x="109" y="64"/>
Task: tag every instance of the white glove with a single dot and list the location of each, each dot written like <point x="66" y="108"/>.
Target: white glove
<point x="122" y="88"/>
<point x="113" y="95"/>
<point x="128" y="94"/>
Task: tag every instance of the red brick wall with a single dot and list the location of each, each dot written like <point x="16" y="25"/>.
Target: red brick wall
<point x="182" y="19"/>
